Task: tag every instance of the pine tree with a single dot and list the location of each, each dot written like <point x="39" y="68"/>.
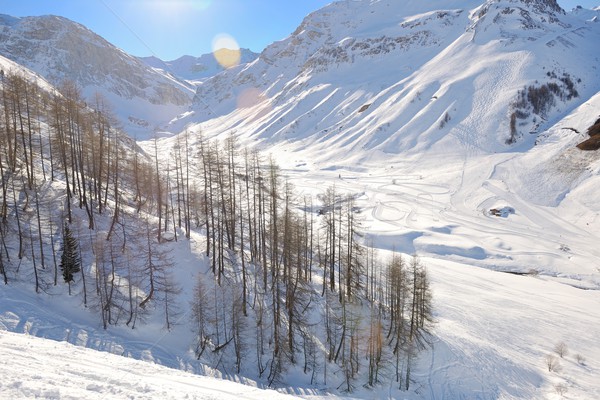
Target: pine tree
<point x="70" y="261"/>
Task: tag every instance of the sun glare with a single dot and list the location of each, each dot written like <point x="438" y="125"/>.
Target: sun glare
<point x="177" y="8"/>
<point x="226" y="50"/>
<point x="200" y="5"/>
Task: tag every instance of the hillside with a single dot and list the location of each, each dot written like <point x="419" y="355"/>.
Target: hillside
<point x="501" y="91"/>
<point x="89" y="374"/>
<point x="352" y="78"/>
<point x="199" y="236"/>
<point x="59" y="49"/>
<point x="432" y="123"/>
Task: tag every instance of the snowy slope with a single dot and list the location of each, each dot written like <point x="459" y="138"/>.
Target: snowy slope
<point x="38" y="368"/>
<point x="493" y="333"/>
<point x="7" y="66"/>
<point x="506" y="289"/>
<point x="60" y="49"/>
<point x="361" y="85"/>
<point x="194" y="69"/>
<point x="398" y="77"/>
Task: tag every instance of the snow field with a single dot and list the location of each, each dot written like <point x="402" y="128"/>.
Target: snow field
<point x="39" y="368"/>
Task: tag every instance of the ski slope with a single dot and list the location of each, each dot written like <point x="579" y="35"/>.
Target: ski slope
<point x="44" y="369"/>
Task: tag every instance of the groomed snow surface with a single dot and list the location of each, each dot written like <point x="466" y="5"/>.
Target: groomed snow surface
<point x="35" y="368"/>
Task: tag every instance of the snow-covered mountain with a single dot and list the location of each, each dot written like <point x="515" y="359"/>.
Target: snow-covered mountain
<point x="60" y="49"/>
<point x="399" y="77"/>
<point x="500" y="90"/>
<point x="195" y="68"/>
<point x="7" y="65"/>
<point x="455" y="124"/>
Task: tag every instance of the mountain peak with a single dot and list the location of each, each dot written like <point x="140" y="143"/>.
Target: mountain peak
<point x="192" y="68"/>
<point x="543" y="5"/>
<point x="517" y="20"/>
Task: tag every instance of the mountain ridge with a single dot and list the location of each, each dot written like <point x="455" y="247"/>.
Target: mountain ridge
<point x="60" y="49"/>
<point x="192" y="68"/>
<point x="400" y="59"/>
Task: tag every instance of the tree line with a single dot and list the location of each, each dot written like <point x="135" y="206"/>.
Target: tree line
<point x="290" y="279"/>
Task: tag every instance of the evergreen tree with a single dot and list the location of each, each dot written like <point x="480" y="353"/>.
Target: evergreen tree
<point x="70" y="261"/>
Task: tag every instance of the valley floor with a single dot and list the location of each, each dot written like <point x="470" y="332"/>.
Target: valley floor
<point x="507" y="289"/>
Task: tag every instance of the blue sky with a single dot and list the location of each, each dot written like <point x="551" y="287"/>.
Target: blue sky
<point x="169" y="29"/>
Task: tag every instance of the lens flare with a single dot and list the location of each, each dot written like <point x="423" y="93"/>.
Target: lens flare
<point x="256" y="102"/>
<point x="226" y="50"/>
<point x="249" y="98"/>
<point x="200" y="5"/>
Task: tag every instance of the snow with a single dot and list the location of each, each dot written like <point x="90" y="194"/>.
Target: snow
<point x="493" y="329"/>
<point x="39" y="368"/>
<point x="413" y="66"/>
<point x="506" y="289"/>
<point x="508" y="324"/>
<point x="9" y="66"/>
<point x="60" y="49"/>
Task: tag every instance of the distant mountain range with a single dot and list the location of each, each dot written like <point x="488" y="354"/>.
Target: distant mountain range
<point x="195" y="68"/>
<point x="144" y="92"/>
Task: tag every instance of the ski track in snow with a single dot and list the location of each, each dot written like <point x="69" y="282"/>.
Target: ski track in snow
<point x="421" y="206"/>
<point x="477" y="355"/>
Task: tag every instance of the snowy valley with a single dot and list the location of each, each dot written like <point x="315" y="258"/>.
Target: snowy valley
<point x="259" y="225"/>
